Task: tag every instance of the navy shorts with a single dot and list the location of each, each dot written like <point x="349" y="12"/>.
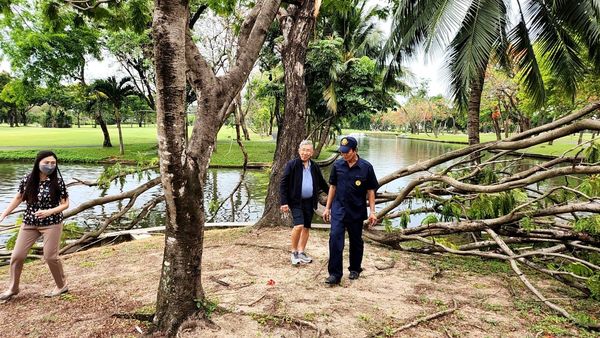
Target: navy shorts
<point x="303" y="215"/>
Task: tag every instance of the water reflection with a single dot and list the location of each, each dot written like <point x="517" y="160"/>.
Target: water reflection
<point x="220" y="183"/>
<point x="386" y="153"/>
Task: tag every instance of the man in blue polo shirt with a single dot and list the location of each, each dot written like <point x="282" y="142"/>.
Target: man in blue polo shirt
<point x="299" y="193"/>
<point x="352" y="182"/>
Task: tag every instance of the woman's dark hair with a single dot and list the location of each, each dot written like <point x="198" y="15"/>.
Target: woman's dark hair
<point x="30" y="194"/>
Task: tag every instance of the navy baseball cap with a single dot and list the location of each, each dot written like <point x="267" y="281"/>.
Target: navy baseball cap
<point x="347" y="143"/>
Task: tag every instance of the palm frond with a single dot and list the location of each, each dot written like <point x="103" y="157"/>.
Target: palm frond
<point x="411" y="23"/>
<point x="445" y="22"/>
<point x="557" y="46"/>
<point x="582" y="18"/>
<point x="470" y="50"/>
<point x="524" y="56"/>
<point x="330" y="97"/>
<point x="502" y="45"/>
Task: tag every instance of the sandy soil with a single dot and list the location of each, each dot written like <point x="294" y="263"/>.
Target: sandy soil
<point x="110" y="283"/>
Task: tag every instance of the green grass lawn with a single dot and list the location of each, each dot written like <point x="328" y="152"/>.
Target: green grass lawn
<point x="88" y="136"/>
<point x="85" y="145"/>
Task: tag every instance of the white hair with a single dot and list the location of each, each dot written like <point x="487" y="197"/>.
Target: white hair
<point x="305" y="143"/>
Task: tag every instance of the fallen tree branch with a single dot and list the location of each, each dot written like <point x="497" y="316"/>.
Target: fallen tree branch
<point x="111" y="198"/>
<point x="523" y="278"/>
<point x="420" y="320"/>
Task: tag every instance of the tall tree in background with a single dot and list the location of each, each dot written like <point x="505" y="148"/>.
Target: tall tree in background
<point x="133" y="50"/>
<point x="476" y="34"/>
<point x="116" y="92"/>
<point x="337" y="72"/>
<point x="47" y="43"/>
<point x="297" y="25"/>
<point x="184" y="165"/>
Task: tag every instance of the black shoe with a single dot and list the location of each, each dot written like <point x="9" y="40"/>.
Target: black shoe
<point x="354" y="275"/>
<point x="332" y="280"/>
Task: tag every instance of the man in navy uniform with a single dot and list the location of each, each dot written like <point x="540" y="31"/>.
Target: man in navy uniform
<point x="299" y="192"/>
<point x="352" y="182"/>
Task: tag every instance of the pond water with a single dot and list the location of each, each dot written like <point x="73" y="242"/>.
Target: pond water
<point x="386" y="153"/>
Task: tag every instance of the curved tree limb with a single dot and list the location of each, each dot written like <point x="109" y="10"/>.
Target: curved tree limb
<point x="111" y="198"/>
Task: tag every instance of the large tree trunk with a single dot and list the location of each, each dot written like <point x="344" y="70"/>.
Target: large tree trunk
<point x="473" y="108"/>
<point x="184" y="168"/>
<point x="297" y="28"/>
<point x="179" y="286"/>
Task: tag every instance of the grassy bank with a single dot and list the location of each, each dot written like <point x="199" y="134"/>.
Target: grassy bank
<point x="557" y="148"/>
<point x="84" y="145"/>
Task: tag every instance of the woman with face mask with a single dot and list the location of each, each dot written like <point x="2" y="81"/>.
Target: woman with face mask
<point x="45" y="195"/>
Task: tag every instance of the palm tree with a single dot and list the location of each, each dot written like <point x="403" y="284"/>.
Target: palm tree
<point x="476" y="34"/>
<point x="353" y="23"/>
<point x="116" y="94"/>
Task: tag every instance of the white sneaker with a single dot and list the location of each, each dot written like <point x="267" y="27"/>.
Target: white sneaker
<point x="57" y="292"/>
<point x="304" y="258"/>
<point x="295" y="258"/>
<point x="7" y="295"/>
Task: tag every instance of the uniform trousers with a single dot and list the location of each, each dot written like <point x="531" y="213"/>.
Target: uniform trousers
<point x="336" y="246"/>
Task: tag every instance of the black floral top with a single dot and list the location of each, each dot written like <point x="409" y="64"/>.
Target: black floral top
<point x="44" y="202"/>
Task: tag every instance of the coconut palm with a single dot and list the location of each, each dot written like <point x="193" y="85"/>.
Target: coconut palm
<point x="478" y="33"/>
<point x="349" y="38"/>
<point x="116" y="93"/>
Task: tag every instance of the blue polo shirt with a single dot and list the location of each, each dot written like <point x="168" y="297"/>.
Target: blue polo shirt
<point x="307" y="182"/>
<point x="352" y="183"/>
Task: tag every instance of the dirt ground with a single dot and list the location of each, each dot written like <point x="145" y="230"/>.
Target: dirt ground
<point x="109" y="284"/>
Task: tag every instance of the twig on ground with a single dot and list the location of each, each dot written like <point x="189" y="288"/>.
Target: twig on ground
<point x="283" y="318"/>
<point x="422" y="320"/>
<point x="256" y="301"/>
<point x="218" y="281"/>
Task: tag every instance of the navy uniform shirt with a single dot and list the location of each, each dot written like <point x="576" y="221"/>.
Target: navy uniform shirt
<point x="350" y="201"/>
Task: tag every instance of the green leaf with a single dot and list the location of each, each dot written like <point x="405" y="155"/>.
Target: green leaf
<point x="593" y="283"/>
<point x="527" y="224"/>
<point x="405" y="219"/>
<point x="579" y="269"/>
<point x="429" y="219"/>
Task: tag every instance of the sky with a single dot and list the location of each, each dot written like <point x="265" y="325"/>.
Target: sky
<point x="424" y="68"/>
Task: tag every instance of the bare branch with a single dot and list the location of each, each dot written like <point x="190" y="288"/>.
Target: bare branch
<point x="523" y="278"/>
<point x="111" y="198"/>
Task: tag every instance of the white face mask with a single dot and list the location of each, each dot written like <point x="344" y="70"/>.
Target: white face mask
<point x="47" y="168"/>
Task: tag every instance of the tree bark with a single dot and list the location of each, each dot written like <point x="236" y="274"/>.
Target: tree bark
<point x="100" y="121"/>
<point x="179" y="285"/>
<point x="497" y="129"/>
<point x="324" y="137"/>
<point x="275" y="114"/>
<point x="184" y="167"/>
<point x="118" y="118"/>
<point x="473" y="108"/>
<point x="297" y="27"/>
